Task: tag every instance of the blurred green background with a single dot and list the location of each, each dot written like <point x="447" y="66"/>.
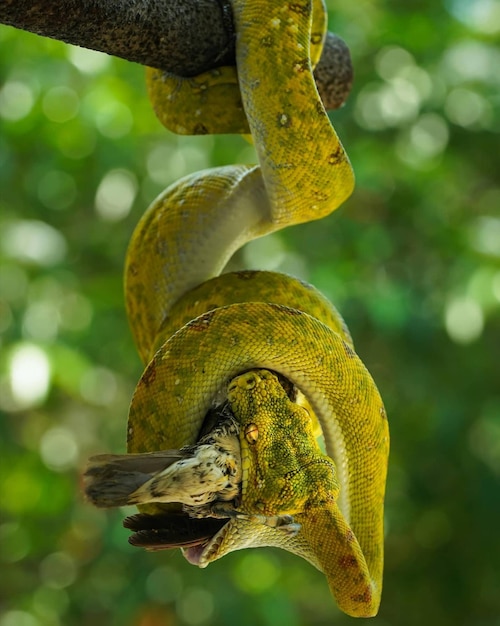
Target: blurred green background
<point x="412" y="260"/>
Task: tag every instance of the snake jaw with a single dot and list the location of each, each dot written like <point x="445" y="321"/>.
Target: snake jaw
<point x="194" y="553"/>
<point x="203" y="554"/>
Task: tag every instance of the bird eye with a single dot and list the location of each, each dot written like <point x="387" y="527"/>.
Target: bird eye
<point x="251" y="433"/>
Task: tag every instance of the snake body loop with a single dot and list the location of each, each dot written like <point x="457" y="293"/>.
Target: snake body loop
<point x="197" y="329"/>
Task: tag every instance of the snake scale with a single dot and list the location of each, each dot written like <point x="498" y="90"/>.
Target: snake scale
<point x="203" y="334"/>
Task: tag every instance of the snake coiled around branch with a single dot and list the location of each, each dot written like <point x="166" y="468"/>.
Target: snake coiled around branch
<point x="205" y="335"/>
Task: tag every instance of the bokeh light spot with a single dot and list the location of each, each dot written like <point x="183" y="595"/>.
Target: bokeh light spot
<point x="29" y="374"/>
<point x="50" y="603"/>
<point x="16" y="100"/>
<point x="484" y="235"/>
<point x="464" y="320"/>
<point x="196" y="606"/>
<point x="59" y="449"/>
<point x="163" y="167"/>
<point x="429" y="135"/>
<point x="58" y="570"/>
<point x="14" y="542"/>
<point x="480" y="15"/>
<point x="256" y="572"/>
<point x="164" y="585"/>
<point x="18" y="618"/>
<point x="166" y="164"/>
<point x="60" y="104"/>
<point x="425" y="140"/>
<point x="115" y="195"/>
<point x="114" y="120"/>
<point x="387" y="105"/>
<point x="466" y="108"/>
<point x="391" y="60"/>
<point x="471" y="60"/>
<point x="41" y="321"/>
<point x="35" y="241"/>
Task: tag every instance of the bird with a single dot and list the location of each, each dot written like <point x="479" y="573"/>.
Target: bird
<point x="194" y="476"/>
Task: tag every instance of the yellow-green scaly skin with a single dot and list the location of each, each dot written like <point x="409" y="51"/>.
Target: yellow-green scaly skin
<point x="198" y="336"/>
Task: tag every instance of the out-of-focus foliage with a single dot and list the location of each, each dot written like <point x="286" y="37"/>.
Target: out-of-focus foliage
<point x="412" y="260"/>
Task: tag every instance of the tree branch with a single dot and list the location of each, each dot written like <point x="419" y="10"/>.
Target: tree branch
<point x="184" y="37"/>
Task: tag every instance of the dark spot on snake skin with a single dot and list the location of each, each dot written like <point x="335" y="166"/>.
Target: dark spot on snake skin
<point x="365" y="597"/>
<point x="336" y="157"/>
<point x="303" y="9"/>
<point x="284" y="120"/>
<point x="132" y="269"/>
<point x="301" y="66"/>
<point x="320" y="196"/>
<point x="284" y="166"/>
<point x="350" y="536"/>
<point x="267" y="42"/>
<point x="246" y="274"/>
<point x="316" y="38"/>
<point x="349" y="351"/>
<point x="347" y="561"/>
<point x="201" y="323"/>
<point x="200" y="129"/>
<point x="320" y="109"/>
<point x="383" y="413"/>
<point x="285" y="309"/>
<point x="149" y="375"/>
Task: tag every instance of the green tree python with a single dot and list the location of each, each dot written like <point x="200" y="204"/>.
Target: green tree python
<point x="237" y="339"/>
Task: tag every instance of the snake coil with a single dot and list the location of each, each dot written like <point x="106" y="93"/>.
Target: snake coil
<point x="197" y="328"/>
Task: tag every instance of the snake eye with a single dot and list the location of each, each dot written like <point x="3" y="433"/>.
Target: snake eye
<point x="251" y="433"/>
